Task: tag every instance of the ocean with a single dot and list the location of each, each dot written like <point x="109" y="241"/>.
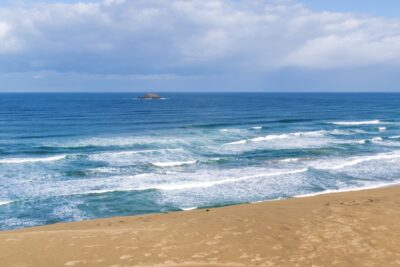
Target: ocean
<point x="70" y="157"/>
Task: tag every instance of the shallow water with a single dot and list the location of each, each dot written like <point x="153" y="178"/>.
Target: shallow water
<point x="68" y="157"/>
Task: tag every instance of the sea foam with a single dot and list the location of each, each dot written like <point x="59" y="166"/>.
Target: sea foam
<point x="31" y="160"/>
<point x="173" y="163"/>
<point x="332" y="164"/>
<point x="191" y="185"/>
<point x="273" y="137"/>
<point x="4" y="202"/>
<point x="350" y="123"/>
<point x="373" y="185"/>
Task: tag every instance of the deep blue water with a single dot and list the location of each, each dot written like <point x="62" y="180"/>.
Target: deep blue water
<point x="68" y="157"/>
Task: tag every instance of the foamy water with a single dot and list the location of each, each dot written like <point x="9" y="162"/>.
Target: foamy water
<point x="31" y="160"/>
<point x="352" y="123"/>
<point x="73" y="157"/>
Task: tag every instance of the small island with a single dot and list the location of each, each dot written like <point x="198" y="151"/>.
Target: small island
<point x="150" y="96"/>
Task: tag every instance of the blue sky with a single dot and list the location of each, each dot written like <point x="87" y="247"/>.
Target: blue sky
<point x="199" y="45"/>
<point x="387" y="8"/>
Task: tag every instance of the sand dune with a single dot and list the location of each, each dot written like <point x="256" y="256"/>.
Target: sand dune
<point x="344" y="229"/>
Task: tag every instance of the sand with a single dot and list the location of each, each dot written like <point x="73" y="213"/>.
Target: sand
<point x="359" y="228"/>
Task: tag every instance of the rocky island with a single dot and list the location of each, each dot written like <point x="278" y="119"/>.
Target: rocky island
<point x="150" y="96"/>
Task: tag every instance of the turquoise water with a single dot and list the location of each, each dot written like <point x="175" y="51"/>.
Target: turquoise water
<point x="69" y="157"/>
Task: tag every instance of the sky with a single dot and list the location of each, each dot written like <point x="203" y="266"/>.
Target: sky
<point x="199" y="46"/>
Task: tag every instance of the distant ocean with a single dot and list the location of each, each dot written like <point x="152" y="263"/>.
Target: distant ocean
<point x="70" y="157"/>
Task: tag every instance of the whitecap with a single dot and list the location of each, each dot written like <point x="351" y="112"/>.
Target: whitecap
<point x="232" y="131"/>
<point x="271" y="137"/>
<point x="349" y="123"/>
<point x="154" y="181"/>
<point x="31" y="160"/>
<point x="5" y="202"/>
<point x="191" y="185"/>
<point x="118" y="141"/>
<point x="134" y="152"/>
<point x="376" y="139"/>
<point x="240" y="142"/>
<point x="173" y="163"/>
<point x="382" y="129"/>
<point x="256" y="127"/>
<point x="306" y="139"/>
<point x="121" y="158"/>
<point x="290" y="160"/>
<point x="345" y="132"/>
<point x="334" y="165"/>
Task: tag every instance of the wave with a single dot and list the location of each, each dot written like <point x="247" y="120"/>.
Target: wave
<point x="240" y="142"/>
<point x="280" y="136"/>
<point x="183" y="185"/>
<point x="374" y="185"/>
<point x="395" y="137"/>
<point x="232" y="130"/>
<point x="345" y="132"/>
<point x="290" y="160"/>
<point x="269" y="137"/>
<point x="256" y="127"/>
<point x="133" y="152"/>
<point x="349" y="123"/>
<point x="31" y="160"/>
<point x="211" y="125"/>
<point x="382" y="129"/>
<point x="118" y="141"/>
<point x="168" y="187"/>
<point x="309" y="134"/>
<point x="358" y="160"/>
<point x="376" y="139"/>
<point x="135" y="156"/>
<point x="173" y="163"/>
<point x="2" y="202"/>
<point x="291" y="120"/>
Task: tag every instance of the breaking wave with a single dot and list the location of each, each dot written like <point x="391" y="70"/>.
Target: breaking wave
<point x="373" y="185"/>
<point x="31" y="160"/>
<point x="333" y="164"/>
<point x="271" y="137"/>
<point x="197" y="184"/>
<point x="173" y="163"/>
<point x="350" y="123"/>
<point x="2" y="202"/>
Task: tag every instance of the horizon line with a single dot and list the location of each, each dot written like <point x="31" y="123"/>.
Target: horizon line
<point x="201" y="92"/>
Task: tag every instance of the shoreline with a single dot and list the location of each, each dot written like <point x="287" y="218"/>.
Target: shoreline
<point x="326" y="192"/>
<point x="352" y="228"/>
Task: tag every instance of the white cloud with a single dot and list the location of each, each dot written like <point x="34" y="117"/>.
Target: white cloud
<point x="199" y="36"/>
<point x="8" y="44"/>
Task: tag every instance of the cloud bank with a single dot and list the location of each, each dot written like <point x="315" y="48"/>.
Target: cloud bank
<point x="198" y="37"/>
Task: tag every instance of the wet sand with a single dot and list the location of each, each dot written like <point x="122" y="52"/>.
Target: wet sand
<point x="359" y="228"/>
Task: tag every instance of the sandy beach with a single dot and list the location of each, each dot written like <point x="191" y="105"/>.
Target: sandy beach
<point x="341" y="229"/>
